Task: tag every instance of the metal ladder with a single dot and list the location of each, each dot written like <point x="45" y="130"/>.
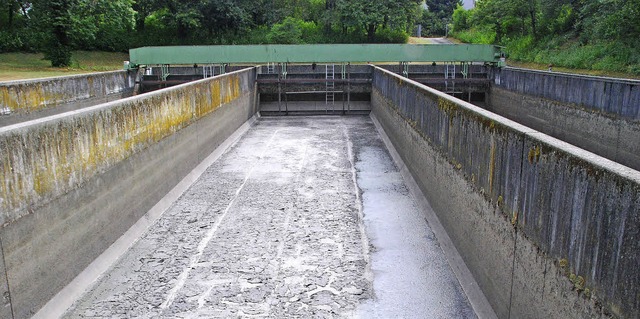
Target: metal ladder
<point x="164" y="72"/>
<point x="465" y="70"/>
<point x="208" y="71"/>
<point x="449" y="78"/>
<point x="404" y="69"/>
<point x="330" y="86"/>
<point x="271" y="68"/>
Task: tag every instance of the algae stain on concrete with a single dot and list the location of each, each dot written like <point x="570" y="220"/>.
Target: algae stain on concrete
<point x="62" y="154"/>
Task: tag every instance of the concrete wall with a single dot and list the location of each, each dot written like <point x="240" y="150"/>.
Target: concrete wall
<point x="608" y="135"/>
<point x="547" y="229"/>
<point x="73" y="183"/>
<point x="619" y="97"/>
<point x="18" y="98"/>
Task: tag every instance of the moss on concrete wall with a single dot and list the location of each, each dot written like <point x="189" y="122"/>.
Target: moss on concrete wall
<point x="34" y="95"/>
<point x="547" y="200"/>
<point x="43" y="159"/>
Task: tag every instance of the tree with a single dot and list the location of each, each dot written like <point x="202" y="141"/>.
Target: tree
<point x="223" y="15"/>
<point x="143" y="9"/>
<point x="287" y="32"/>
<point x="102" y="24"/>
<point x="87" y="24"/>
<point x="371" y="15"/>
<point x="55" y="20"/>
<point x="361" y="14"/>
<point x="612" y="20"/>
<point x="439" y="14"/>
<point x="443" y="8"/>
<point x="461" y="18"/>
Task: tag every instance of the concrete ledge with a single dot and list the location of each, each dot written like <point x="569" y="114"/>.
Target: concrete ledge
<point x="103" y="167"/>
<point x="607" y="135"/>
<point x="546" y="228"/>
<point x="619" y="97"/>
<point x="29" y="96"/>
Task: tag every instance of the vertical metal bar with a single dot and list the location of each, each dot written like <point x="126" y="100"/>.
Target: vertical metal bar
<point x="286" y="100"/>
<point x="279" y="94"/>
<point x="344" y="76"/>
<point x="349" y="86"/>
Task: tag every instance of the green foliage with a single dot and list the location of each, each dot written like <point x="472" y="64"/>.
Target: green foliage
<point x="26" y="40"/>
<point x="59" y="55"/>
<point x="58" y="26"/>
<point x="431" y="25"/>
<point x="287" y="32"/>
<point x="438" y="16"/>
<point x="461" y="18"/>
<point x="476" y="35"/>
<point x="444" y="8"/>
<point x="55" y="20"/>
<point x="369" y="16"/>
<point x="586" y="34"/>
<point x="102" y="24"/>
<point x="391" y="36"/>
<point x="10" y="42"/>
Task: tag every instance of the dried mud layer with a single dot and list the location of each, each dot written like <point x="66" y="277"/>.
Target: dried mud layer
<point x="304" y="217"/>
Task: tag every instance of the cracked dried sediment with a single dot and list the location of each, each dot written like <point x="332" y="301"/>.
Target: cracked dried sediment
<point x="274" y="228"/>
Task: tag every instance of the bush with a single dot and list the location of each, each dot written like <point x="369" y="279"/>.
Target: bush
<point x="387" y="35"/>
<point x="521" y="48"/>
<point x="634" y="69"/>
<point x="287" y="32"/>
<point x="25" y="41"/>
<point x="312" y="33"/>
<point x="10" y="42"/>
<point x="59" y="55"/>
<point x="477" y="36"/>
<point x="461" y="18"/>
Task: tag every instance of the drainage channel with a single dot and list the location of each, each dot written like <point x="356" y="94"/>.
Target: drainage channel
<point x="303" y="216"/>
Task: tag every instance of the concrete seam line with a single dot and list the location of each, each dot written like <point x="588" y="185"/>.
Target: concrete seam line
<point x="60" y="303"/>
<point x="6" y="277"/>
<point x="476" y="297"/>
<point x="202" y="244"/>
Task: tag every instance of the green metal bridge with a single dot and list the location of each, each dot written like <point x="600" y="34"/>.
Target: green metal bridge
<point x="315" y="53"/>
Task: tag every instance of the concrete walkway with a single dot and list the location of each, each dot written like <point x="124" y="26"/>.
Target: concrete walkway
<point x="304" y="217"/>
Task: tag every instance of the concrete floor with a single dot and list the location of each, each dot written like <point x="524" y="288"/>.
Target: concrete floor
<point x="303" y="217"/>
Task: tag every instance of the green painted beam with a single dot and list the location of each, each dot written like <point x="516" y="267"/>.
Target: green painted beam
<point x="320" y="53"/>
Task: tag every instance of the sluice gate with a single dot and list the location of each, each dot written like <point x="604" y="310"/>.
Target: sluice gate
<point x="333" y="73"/>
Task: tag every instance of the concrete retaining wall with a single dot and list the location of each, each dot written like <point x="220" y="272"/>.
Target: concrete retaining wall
<point x="614" y="96"/>
<point x="547" y="229"/>
<point x="73" y="183"/>
<point x="23" y="97"/>
<point x="605" y="134"/>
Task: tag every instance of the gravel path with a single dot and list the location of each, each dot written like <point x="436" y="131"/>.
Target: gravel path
<point x="304" y="217"/>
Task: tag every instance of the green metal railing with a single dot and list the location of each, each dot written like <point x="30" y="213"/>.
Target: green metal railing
<point x="319" y="53"/>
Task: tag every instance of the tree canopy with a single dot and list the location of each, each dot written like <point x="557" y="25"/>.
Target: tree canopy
<point x="56" y="27"/>
<point x="591" y="34"/>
